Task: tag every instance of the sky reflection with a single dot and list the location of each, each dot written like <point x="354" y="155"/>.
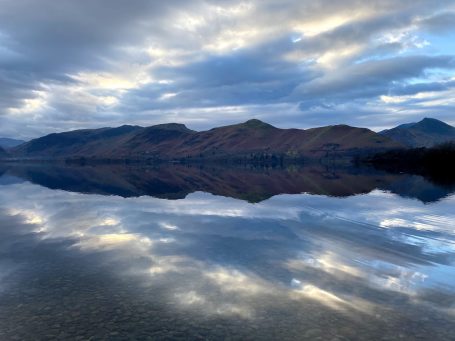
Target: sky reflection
<point x="376" y="256"/>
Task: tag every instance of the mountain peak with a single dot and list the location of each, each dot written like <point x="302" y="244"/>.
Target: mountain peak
<point x="430" y="120"/>
<point x="433" y="125"/>
<point x="425" y="133"/>
<point x="257" y="124"/>
<point x="172" y="126"/>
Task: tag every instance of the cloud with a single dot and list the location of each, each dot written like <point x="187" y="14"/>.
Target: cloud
<point x="67" y="65"/>
<point x="371" y="78"/>
<point x="439" y="23"/>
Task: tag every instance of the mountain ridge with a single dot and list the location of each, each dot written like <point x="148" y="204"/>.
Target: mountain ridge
<point x="252" y="139"/>
<point x="6" y="142"/>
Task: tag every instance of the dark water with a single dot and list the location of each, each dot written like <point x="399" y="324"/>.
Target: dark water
<point x="177" y="253"/>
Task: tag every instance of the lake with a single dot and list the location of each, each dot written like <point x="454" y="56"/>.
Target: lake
<point x="206" y="253"/>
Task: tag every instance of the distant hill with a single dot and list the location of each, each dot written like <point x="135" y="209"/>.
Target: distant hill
<point x="9" y="143"/>
<point x="253" y="139"/>
<point x="3" y="153"/>
<point x="86" y="142"/>
<point x="426" y="133"/>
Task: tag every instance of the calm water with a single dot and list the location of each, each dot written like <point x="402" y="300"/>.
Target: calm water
<point x="206" y="254"/>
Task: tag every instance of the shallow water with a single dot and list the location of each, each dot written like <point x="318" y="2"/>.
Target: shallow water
<point x="191" y="260"/>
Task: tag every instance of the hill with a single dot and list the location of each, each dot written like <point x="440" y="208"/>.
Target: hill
<point x="426" y="133"/>
<point x="253" y="140"/>
<point x="3" y="153"/>
<point x="9" y="143"/>
<point x="85" y="142"/>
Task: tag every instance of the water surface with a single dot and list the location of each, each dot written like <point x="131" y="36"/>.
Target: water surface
<point x="209" y="254"/>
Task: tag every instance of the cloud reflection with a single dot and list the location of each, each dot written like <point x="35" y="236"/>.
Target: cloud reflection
<point x="216" y="256"/>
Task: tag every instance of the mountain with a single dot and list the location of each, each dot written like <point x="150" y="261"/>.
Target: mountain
<point x="3" y="153"/>
<point x="426" y="133"/>
<point x="86" y="142"/>
<point x="9" y="143"/>
<point x="253" y="139"/>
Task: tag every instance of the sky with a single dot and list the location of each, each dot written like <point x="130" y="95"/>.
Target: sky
<point x="293" y="63"/>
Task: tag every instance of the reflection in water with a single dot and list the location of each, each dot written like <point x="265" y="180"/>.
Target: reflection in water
<point x="293" y="267"/>
<point x="246" y="183"/>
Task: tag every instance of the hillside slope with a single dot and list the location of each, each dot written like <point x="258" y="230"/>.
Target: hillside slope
<point x="3" y="153"/>
<point x="426" y="133"/>
<point x="175" y="141"/>
<point x="9" y="143"/>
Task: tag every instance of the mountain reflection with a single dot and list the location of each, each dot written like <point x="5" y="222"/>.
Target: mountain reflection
<point x="252" y="184"/>
<point x="290" y="268"/>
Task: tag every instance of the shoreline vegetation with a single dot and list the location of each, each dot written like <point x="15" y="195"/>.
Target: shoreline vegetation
<point x="436" y="163"/>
